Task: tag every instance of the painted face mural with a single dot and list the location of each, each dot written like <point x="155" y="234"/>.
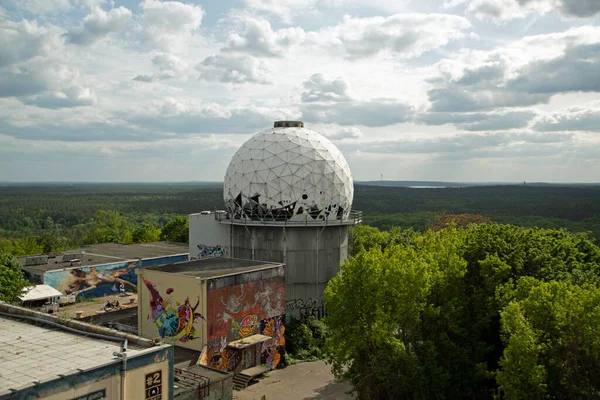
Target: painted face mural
<point x="174" y="322"/>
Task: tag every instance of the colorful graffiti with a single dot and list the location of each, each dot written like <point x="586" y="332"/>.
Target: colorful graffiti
<point x="106" y="279"/>
<point x="173" y="322"/>
<point x="94" y="281"/>
<point x="228" y="306"/>
<point x="207" y="251"/>
<point x="221" y="357"/>
<point x="273" y="349"/>
<point x="239" y="311"/>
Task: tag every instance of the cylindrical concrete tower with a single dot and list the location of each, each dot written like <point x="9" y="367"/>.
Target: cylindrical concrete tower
<point x="288" y="193"/>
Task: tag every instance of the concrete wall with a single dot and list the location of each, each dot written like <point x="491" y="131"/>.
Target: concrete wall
<point x="311" y="255"/>
<point x="208" y="237"/>
<point x="221" y="390"/>
<point x="172" y="307"/>
<point x="177" y="258"/>
<point x="240" y="306"/>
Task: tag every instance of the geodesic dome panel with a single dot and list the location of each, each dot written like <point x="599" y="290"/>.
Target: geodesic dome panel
<point x="285" y="174"/>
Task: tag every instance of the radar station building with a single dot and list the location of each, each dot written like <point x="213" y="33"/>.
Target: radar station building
<point x="288" y="199"/>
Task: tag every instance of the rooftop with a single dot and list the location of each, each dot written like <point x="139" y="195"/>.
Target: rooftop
<point x="103" y="253"/>
<point x="39" y="292"/>
<point x="214" y="267"/>
<point x="35" y="351"/>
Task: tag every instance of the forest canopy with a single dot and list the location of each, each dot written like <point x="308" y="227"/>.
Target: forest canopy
<point x="41" y="218"/>
<point x="491" y="310"/>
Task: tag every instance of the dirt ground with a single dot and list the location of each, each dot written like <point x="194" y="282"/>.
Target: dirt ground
<point x="304" y="381"/>
<point x="93" y="306"/>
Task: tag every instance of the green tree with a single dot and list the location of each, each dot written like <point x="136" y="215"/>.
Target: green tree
<point x="375" y="309"/>
<point x="176" y="230"/>
<point x="21" y="246"/>
<point x="550" y="330"/>
<point x="145" y="233"/>
<point x="365" y="237"/>
<point x="12" y="280"/>
<point x="422" y="319"/>
<point x="108" y="226"/>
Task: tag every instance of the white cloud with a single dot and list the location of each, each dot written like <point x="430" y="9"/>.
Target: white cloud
<point x="98" y="24"/>
<point x="429" y="94"/>
<point x="260" y="40"/>
<point x="234" y="69"/>
<point x="37" y="77"/>
<point x="480" y="121"/>
<point x="526" y="72"/>
<point x="41" y="7"/>
<point x="20" y="41"/>
<point x="319" y="89"/>
<point x="169" y="66"/>
<point x="373" y="113"/>
<point x="170" y="24"/>
<point x="580" y="118"/>
<point x="284" y="9"/>
<point x="74" y="96"/>
<point x="407" y="35"/>
<point x="350" y="132"/>
<point x="503" y="10"/>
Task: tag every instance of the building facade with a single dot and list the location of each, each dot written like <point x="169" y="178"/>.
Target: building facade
<point x="230" y="310"/>
<point x="44" y="357"/>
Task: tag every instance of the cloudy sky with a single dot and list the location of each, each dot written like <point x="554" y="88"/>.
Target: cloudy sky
<point x="457" y="90"/>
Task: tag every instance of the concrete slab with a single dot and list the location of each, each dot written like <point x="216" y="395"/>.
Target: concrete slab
<point x="304" y="381"/>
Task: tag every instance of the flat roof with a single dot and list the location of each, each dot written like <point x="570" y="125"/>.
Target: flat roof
<point x="214" y="267"/>
<point x="106" y="253"/>
<point x="211" y="373"/>
<point x="30" y="353"/>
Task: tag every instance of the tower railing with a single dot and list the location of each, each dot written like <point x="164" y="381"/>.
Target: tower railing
<point x="353" y="218"/>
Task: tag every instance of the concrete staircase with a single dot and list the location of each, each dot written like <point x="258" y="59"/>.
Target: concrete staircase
<point x="240" y="381"/>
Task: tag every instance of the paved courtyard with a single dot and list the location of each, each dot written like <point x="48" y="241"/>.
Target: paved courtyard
<point x="304" y="381"/>
<point x="95" y="306"/>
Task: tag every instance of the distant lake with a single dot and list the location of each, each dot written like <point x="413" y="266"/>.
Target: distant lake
<point x="430" y="187"/>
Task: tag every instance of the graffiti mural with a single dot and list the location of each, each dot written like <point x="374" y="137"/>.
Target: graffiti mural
<point x="206" y="251"/>
<point x="106" y="279"/>
<point x="221" y="357"/>
<point x="94" y="281"/>
<point x="273" y="350"/>
<point x="306" y="308"/>
<point x="176" y="322"/>
<point x="239" y="311"/>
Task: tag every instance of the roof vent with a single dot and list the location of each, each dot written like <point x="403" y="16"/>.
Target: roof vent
<point x="289" y="124"/>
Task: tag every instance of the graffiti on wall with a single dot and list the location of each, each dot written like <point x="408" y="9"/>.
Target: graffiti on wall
<point x="273" y="349"/>
<point x="94" y="281"/>
<point x="175" y="322"/>
<point x="106" y="279"/>
<point x="206" y="251"/>
<point x="221" y="357"/>
<point x="239" y="311"/>
<point x="305" y="308"/>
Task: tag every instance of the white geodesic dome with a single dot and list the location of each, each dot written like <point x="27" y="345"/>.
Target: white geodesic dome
<point x="288" y="174"/>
